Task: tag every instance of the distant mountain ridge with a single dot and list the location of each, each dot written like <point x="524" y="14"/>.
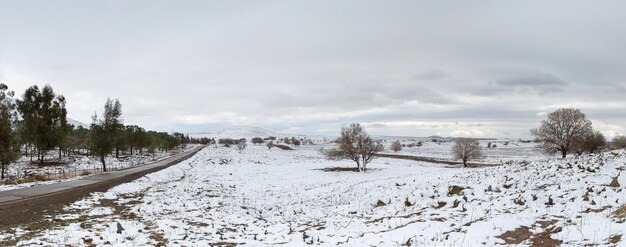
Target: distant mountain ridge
<point x="238" y="132"/>
<point x="77" y="123"/>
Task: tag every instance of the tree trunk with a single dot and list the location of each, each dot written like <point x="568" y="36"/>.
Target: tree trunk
<point x="2" y="176"/>
<point x="117" y="153"/>
<point x="104" y="166"/>
<point x="464" y="163"/>
<point x="60" y="152"/>
<point x="563" y="153"/>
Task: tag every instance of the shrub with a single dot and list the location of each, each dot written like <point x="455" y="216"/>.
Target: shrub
<point x="619" y="142"/>
<point x="396" y="146"/>
<point x="257" y="140"/>
<point x="295" y="141"/>
<point x="241" y="145"/>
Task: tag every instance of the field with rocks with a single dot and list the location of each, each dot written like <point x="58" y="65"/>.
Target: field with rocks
<point x="264" y="196"/>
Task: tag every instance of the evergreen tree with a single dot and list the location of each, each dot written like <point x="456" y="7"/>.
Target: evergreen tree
<point x="105" y="130"/>
<point x="44" y="119"/>
<point x="9" y="151"/>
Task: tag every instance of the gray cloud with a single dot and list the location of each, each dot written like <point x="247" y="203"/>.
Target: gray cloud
<point x="531" y="80"/>
<point x="313" y="66"/>
<point x="430" y="75"/>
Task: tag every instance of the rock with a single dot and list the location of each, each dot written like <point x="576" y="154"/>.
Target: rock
<point x="120" y="229"/>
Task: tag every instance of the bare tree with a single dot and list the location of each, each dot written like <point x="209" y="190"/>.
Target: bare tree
<point x="557" y="133"/>
<point x="396" y="146"/>
<point x="466" y="149"/>
<point x="270" y="145"/>
<point x="356" y="145"/>
<point x="618" y="142"/>
<point x="591" y="142"/>
<point x="241" y="145"/>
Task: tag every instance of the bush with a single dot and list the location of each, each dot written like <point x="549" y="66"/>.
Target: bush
<point x="241" y="145"/>
<point x="227" y="142"/>
<point x="590" y="142"/>
<point x="295" y="141"/>
<point x="270" y="145"/>
<point x="396" y="146"/>
<point x="257" y="140"/>
<point x="619" y="142"/>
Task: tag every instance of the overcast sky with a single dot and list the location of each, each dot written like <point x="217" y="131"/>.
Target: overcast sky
<point x="413" y="68"/>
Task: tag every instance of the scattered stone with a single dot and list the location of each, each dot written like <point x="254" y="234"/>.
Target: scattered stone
<point x="120" y="229"/>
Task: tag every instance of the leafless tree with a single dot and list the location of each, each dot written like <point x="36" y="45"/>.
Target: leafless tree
<point x="396" y="146"/>
<point x="241" y="145"/>
<point x="563" y="126"/>
<point x="591" y="142"/>
<point x="355" y="144"/>
<point x="270" y="145"/>
<point x="618" y="142"/>
<point x="466" y="149"/>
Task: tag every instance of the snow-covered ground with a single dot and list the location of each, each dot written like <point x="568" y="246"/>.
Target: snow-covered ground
<point x="502" y="150"/>
<point x="269" y="197"/>
<point x="73" y="167"/>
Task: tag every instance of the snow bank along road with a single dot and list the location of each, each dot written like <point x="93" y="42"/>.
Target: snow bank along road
<point x="265" y="197"/>
<point x="24" y="205"/>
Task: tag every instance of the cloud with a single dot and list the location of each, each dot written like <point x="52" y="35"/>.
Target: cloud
<point x="314" y="66"/>
<point x="429" y="75"/>
<point x="537" y="79"/>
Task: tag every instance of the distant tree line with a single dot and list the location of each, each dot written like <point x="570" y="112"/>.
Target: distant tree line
<point x="36" y="124"/>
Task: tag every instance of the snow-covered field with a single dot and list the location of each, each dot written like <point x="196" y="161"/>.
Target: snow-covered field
<point x="501" y="151"/>
<point x="274" y="197"/>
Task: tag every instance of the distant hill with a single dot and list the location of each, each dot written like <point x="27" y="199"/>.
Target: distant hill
<point x="77" y="123"/>
<point x="238" y="132"/>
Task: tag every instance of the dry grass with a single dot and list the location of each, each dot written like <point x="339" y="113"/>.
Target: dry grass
<point x="340" y="169"/>
<point x="620" y="212"/>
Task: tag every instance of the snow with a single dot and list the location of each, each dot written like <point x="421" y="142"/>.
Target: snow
<point x="77" y="123"/>
<point x="270" y="196"/>
<point x="238" y="132"/>
<point x="75" y="167"/>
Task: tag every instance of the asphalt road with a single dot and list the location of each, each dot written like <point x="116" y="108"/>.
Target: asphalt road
<point x="26" y="205"/>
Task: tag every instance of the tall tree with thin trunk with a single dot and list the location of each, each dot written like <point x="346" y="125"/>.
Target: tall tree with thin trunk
<point x="104" y="130"/>
<point x="466" y="149"/>
<point x="44" y="116"/>
<point x="60" y="125"/>
<point x="9" y="151"/>
<point x="563" y="126"/>
<point x="356" y="145"/>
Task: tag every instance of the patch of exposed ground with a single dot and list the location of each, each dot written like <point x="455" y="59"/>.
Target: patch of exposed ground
<point x="539" y="236"/>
